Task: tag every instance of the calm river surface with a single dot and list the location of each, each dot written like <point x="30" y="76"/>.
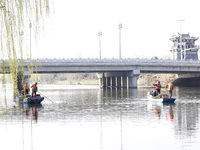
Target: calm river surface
<point x="88" y="118"/>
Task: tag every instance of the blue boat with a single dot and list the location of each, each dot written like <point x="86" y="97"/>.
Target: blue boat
<point x="34" y="100"/>
<point x="168" y="100"/>
<point x="164" y="100"/>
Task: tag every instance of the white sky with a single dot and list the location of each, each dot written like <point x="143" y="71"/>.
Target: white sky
<point x="147" y="26"/>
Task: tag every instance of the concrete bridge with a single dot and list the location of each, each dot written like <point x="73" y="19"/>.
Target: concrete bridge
<point x="111" y="72"/>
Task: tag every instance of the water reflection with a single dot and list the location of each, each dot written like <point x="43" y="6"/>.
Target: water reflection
<point x="187" y="119"/>
<point x="162" y="109"/>
<point x="119" y="93"/>
<point x="31" y="110"/>
<point x="104" y="119"/>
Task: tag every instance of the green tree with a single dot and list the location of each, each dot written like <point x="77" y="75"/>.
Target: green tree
<point x="16" y="19"/>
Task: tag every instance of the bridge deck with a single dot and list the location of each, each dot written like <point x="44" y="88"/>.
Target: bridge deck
<point x="105" y="65"/>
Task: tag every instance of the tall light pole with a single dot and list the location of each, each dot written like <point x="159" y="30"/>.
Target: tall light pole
<point x="100" y="34"/>
<point x="181" y="38"/>
<point x="120" y="26"/>
<point x="30" y="26"/>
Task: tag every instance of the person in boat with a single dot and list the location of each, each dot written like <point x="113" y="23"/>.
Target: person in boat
<point x="26" y="87"/>
<point x="170" y="89"/>
<point x="34" y="89"/>
<point x="22" y="92"/>
<point x="154" y="93"/>
<point x="158" y="87"/>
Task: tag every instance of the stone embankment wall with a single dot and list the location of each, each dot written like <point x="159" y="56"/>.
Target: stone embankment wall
<point x="187" y="82"/>
<point x="150" y="79"/>
<point x="182" y="81"/>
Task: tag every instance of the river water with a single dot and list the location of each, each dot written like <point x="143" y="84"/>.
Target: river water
<point x="88" y="118"/>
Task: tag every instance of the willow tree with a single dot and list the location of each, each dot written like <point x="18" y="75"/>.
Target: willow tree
<point x="16" y="19"/>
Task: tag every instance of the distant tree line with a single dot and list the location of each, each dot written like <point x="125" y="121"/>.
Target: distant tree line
<point x="66" y="78"/>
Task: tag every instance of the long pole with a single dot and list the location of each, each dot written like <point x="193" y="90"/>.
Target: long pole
<point x="120" y="26"/>
<point x="181" y="38"/>
<point x="100" y="34"/>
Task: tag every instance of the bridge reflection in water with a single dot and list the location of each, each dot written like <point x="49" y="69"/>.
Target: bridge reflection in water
<point x="118" y="94"/>
<point x="106" y="119"/>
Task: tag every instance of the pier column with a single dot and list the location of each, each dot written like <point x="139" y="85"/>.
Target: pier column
<point x="132" y="82"/>
<point x="108" y="81"/>
<point x="113" y="82"/>
<point x="132" y="78"/>
<point x="114" y="76"/>
<point x="25" y="76"/>
<point x="102" y="80"/>
<point x="119" y="82"/>
<point x="26" y="79"/>
<point x="19" y="81"/>
<point x="124" y="81"/>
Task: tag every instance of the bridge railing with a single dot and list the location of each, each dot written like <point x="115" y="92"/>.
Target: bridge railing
<point x="114" y="60"/>
<point x="105" y="60"/>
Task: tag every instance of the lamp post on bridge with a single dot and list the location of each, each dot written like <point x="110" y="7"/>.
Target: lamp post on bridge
<point x="100" y="34"/>
<point x="181" y="39"/>
<point x="120" y="26"/>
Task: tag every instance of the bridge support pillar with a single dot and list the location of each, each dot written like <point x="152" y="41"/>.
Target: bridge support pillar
<point x="26" y="79"/>
<point x="102" y="80"/>
<point x="132" y="78"/>
<point x="132" y="82"/>
<point x="114" y="79"/>
<point x="124" y="81"/>
<point x="119" y="82"/>
<point x="113" y="82"/>
<point x="108" y="81"/>
<point x="20" y="81"/>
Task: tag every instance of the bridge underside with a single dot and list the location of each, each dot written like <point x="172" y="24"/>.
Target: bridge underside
<point x="125" y="79"/>
<point x="118" y="79"/>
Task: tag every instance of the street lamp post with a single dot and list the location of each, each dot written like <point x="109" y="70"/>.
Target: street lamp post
<point x="30" y="26"/>
<point x="181" y="38"/>
<point x="120" y="26"/>
<point x="100" y="34"/>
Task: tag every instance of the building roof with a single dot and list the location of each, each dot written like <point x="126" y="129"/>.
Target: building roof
<point x="183" y="37"/>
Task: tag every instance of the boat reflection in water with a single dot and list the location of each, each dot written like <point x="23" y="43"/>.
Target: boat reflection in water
<point x="162" y="109"/>
<point x="31" y="109"/>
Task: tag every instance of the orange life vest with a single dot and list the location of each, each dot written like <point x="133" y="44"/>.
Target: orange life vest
<point x="158" y="86"/>
<point x="34" y="87"/>
<point x="26" y="87"/>
<point x="171" y="86"/>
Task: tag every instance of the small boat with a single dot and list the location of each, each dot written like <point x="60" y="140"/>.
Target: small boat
<point x="33" y="100"/>
<point x="164" y="99"/>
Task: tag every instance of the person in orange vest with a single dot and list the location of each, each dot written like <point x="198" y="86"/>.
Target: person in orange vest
<point x="171" y="89"/>
<point x="34" y="89"/>
<point x="26" y="87"/>
<point x="158" y="87"/>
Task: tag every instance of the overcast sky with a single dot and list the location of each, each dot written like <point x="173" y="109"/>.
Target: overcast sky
<point x="147" y="26"/>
